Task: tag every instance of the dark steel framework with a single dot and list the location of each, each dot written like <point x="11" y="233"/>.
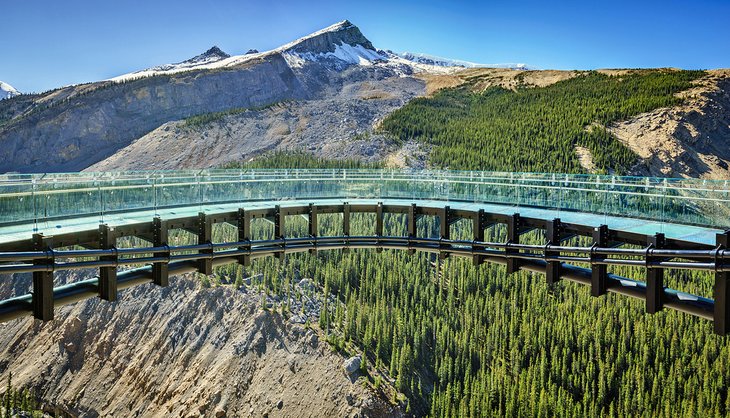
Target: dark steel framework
<point x="37" y="255"/>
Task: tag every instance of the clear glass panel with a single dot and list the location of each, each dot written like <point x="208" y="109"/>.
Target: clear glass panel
<point x="56" y="201"/>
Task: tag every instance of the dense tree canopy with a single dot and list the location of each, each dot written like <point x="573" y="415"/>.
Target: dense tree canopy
<point x="535" y="129"/>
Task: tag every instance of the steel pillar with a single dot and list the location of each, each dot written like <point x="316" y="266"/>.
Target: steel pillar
<point x="160" y="273"/>
<point x="599" y="272"/>
<point x="379" y="224"/>
<point x="478" y="228"/>
<point x="107" y="275"/>
<point x="346" y="223"/>
<point x="313" y="226"/>
<point x="654" y="277"/>
<point x="553" y="235"/>
<point x="244" y="234"/>
<point x="205" y="236"/>
<point x="42" y="284"/>
<point x="445" y="229"/>
<point x="514" y="224"/>
<point x="279" y="231"/>
<point x="722" y="291"/>
<point x="412" y="231"/>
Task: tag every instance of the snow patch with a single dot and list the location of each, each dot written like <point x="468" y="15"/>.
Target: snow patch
<point x="7" y="91"/>
<point x="351" y="54"/>
<point x="447" y="62"/>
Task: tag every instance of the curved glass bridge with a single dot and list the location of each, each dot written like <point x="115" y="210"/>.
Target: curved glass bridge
<point x="653" y="223"/>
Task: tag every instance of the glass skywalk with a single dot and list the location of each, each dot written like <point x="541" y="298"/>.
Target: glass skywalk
<point x="686" y="209"/>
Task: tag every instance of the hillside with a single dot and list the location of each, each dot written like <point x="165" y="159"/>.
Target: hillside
<point x="680" y="130"/>
<point x="207" y="351"/>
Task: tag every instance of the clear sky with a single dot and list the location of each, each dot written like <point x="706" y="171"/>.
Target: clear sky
<point x="51" y="43"/>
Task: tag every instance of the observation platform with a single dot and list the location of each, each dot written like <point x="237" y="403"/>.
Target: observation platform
<point x="677" y="223"/>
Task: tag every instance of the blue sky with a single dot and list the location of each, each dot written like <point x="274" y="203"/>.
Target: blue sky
<point x="47" y="44"/>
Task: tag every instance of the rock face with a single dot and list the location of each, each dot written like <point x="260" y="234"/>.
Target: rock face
<point x="336" y="124"/>
<point x="89" y="127"/>
<point x="689" y="140"/>
<point x="180" y="351"/>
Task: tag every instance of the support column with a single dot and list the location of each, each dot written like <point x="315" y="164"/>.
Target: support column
<point x="244" y="234"/>
<point x="412" y="231"/>
<point x="553" y="234"/>
<point x="346" y="223"/>
<point x="279" y="231"/>
<point x="379" y="224"/>
<point x="445" y="230"/>
<point x="313" y="226"/>
<point x="205" y="236"/>
<point x="160" y="230"/>
<point x="478" y="228"/>
<point x="722" y="291"/>
<point x="42" y="284"/>
<point x="513" y="236"/>
<point x="599" y="272"/>
<point x="107" y="275"/>
<point x="654" y="277"/>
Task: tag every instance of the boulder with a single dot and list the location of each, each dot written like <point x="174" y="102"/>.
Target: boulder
<point x="352" y="365"/>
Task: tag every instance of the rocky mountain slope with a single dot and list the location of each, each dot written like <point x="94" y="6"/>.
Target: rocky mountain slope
<point x="209" y="352"/>
<point x="74" y="127"/>
<point x="689" y="140"/>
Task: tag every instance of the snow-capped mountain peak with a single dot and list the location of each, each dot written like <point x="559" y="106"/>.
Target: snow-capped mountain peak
<point x="7" y="91"/>
<point x="208" y="57"/>
<point x="336" y="46"/>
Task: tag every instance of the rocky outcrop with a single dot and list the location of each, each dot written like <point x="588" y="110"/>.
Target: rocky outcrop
<point x="689" y="140"/>
<point x="183" y="350"/>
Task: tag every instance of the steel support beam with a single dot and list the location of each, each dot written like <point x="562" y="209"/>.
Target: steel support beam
<point x="160" y="272"/>
<point x="42" y="283"/>
<point x="599" y="272"/>
<point x="553" y="235"/>
<point x="379" y="224"/>
<point x="412" y="230"/>
<point x="514" y="224"/>
<point x="279" y="231"/>
<point x="346" y="223"/>
<point x="444" y="215"/>
<point x="654" y="277"/>
<point x="244" y="234"/>
<point x="107" y="275"/>
<point x="478" y="229"/>
<point x="722" y="291"/>
<point x="205" y="236"/>
<point x="313" y="226"/>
